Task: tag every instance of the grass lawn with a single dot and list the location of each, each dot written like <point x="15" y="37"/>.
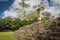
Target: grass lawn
<point x="6" y="36"/>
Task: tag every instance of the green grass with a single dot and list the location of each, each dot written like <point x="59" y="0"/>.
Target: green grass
<point x="6" y="36"/>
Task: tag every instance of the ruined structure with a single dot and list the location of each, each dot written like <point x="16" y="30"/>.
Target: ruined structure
<point x="49" y="30"/>
<point x="39" y="12"/>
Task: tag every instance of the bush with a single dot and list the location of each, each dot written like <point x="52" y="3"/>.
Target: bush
<point x="12" y="24"/>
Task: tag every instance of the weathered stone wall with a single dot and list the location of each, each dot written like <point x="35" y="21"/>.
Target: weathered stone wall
<point x="49" y="30"/>
<point x="53" y="30"/>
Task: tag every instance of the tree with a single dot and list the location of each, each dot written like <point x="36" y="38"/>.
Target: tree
<point x="39" y="7"/>
<point x="32" y="16"/>
<point x="24" y="5"/>
<point x="46" y="16"/>
<point x="59" y="15"/>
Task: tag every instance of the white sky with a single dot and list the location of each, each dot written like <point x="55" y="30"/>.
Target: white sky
<point x="53" y="10"/>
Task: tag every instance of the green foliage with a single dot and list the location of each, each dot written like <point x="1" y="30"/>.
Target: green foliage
<point x="46" y="16"/>
<point x="59" y="15"/>
<point x="12" y="24"/>
<point x="32" y="15"/>
<point x="23" y="4"/>
<point x="17" y="8"/>
<point x="39" y="6"/>
<point x="6" y="24"/>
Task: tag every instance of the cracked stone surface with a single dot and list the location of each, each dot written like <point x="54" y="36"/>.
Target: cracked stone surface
<point x="49" y="30"/>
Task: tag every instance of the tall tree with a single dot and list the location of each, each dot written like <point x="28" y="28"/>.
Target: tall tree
<point x="59" y="15"/>
<point x="39" y="7"/>
<point x="23" y="5"/>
